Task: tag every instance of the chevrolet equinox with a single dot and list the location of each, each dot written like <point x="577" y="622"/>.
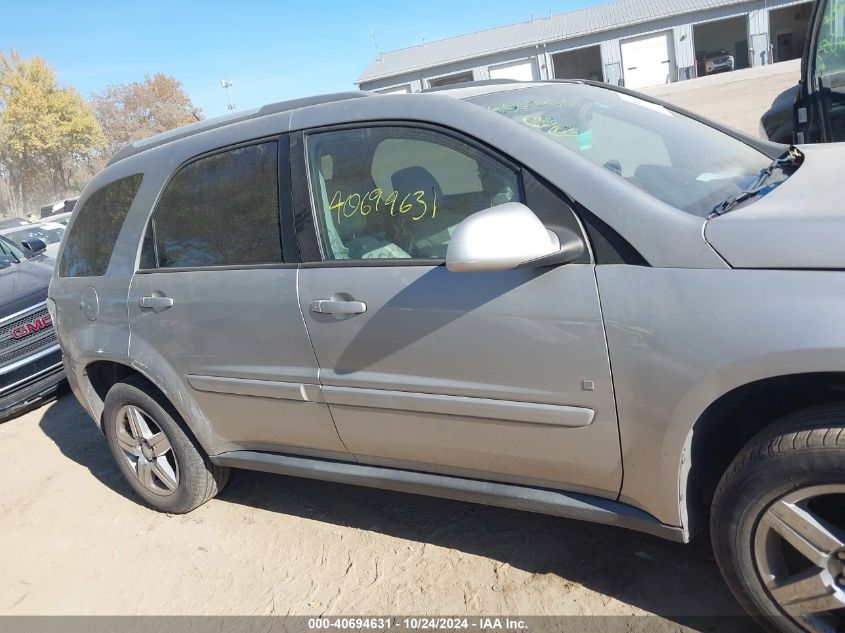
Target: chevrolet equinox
<point x="505" y="293"/>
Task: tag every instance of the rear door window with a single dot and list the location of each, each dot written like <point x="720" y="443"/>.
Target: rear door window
<point x="220" y="210"/>
<point x="94" y="232"/>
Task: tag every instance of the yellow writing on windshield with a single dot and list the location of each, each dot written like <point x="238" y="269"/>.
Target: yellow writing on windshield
<point x="416" y="204"/>
<point x="529" y="104"/>
<point x="549" y="125"/>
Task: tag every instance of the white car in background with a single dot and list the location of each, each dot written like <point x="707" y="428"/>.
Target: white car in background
<point x="720" y="61"/>
<point x="48" y="232"/>
<point x="59" y="218"/>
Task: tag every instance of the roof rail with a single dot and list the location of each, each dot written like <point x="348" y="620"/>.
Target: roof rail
<point x="228" y="119"/>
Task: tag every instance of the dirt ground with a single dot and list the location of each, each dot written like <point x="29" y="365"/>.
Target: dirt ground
<point x="74" y="541"/>
<point x="736" y="99"/>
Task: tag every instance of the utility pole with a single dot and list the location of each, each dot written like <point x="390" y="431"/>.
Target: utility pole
<point x="375" y="43"/>
<point x="226" y="84"/>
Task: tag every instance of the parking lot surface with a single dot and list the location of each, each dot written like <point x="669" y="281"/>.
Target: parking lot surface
<point x="736" y="99"/>
<point x="74" y="541"/>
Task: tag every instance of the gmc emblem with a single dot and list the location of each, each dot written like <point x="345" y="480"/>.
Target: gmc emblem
<point x="25" y="329"/>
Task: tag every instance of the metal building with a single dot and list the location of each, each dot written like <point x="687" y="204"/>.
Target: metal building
<point x="633" y="43"/>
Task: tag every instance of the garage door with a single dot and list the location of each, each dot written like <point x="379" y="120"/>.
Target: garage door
<point x="395" y="90"/>
<point x="522" y="71"/>
<point x="647" y="60"/>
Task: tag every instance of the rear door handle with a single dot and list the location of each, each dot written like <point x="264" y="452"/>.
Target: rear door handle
<point x="156" y="303"/>
<point x="338" y="306"/>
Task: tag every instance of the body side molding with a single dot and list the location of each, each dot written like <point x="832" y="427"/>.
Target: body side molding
<point x="528" y="412"/>
<point x="256" y="388"/>
<point x="543" y="501"/>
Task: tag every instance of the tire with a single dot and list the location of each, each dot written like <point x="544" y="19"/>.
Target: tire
<point x="154" y="450"/>
<point x="791" y="474"/>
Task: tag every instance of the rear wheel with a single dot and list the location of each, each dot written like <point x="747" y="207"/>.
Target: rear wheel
<point x="160" y="460"/>
<point x="778" y="523"/>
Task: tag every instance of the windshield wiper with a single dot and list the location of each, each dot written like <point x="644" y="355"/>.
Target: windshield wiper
<point x="11" y="253"/>
<point x="791" y="157"/>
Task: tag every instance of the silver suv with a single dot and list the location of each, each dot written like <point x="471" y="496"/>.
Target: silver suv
<point x="560" y="297"/>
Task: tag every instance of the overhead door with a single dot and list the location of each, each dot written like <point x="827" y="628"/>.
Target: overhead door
<point x="521" y="71"/>
<point x="648" y="60"/>
<point x="395" y="90"/>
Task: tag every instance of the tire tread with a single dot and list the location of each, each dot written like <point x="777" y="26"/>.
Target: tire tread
<point x="208" y="479"/>
<point x="826" y="431"/>
<point x="801" y="437"/>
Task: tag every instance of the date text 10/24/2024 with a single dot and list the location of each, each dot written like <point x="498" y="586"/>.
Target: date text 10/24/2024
<point x="422" y="623"/>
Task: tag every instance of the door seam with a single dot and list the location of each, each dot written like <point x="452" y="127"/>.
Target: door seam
<point x="612" y="384"/>
<point x="129" y="314"/>
<point x="319" y="368"/>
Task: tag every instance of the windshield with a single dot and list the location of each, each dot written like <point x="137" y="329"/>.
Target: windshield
<point x="678" y="160"/>
<point x="10" y="253"/>
<point x="49" y="233"/>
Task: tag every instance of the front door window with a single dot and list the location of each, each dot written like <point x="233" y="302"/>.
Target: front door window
<point x="399" y="192"/>
<point x="830" y="46"/>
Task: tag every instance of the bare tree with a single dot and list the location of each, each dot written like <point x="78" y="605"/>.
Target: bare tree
<point x="130" y="112"/>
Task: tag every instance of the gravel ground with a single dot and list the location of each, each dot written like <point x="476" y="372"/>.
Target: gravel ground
<point x="736" y="99"/>
<point x="74" y="541"/>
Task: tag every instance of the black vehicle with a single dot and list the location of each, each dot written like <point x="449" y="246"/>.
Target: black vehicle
<point x="30" y="358"/>
<point x="814" y="110"/>
<point x="62" y="206"/>
<point x="776" y="123"/>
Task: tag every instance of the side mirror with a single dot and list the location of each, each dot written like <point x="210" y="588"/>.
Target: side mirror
<point x="506" y="237"/>
<point x="35" y="245"/>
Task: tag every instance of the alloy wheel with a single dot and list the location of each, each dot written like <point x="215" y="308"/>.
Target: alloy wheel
<point x="147" y="450"/>
<point x="799" y="550"/>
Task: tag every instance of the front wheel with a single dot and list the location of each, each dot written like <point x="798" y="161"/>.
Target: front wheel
<point x="778" y="523"/>
<point x="163" y="463"/>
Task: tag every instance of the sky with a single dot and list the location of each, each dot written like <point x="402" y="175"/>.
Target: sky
<point x="270" y="51"/>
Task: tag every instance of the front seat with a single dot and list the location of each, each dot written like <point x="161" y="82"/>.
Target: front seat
<point x="361" y="237"/>
<point x="432" y="235"/>
<point x="416" y="178"/>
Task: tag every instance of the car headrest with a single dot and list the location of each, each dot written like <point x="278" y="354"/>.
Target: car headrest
<point x="415" y="178"/>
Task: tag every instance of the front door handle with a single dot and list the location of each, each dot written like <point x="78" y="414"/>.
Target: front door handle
<point x="338" y="306"/>
<point x="156" y="303"/>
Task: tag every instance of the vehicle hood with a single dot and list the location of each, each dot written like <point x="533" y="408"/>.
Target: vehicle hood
<point x="800" y="224"/>
<point x="53" y="250"/>
<point x="25" y="284"/>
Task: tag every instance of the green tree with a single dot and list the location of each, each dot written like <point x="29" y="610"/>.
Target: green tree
<point x="130" y="112"/>
<point x="47" y="133"/>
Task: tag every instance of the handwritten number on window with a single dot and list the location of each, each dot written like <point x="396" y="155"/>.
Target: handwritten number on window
<point x="417" y="203"/>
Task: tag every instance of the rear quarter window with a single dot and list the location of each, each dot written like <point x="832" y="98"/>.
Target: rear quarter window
<point x="92" y="236"/>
